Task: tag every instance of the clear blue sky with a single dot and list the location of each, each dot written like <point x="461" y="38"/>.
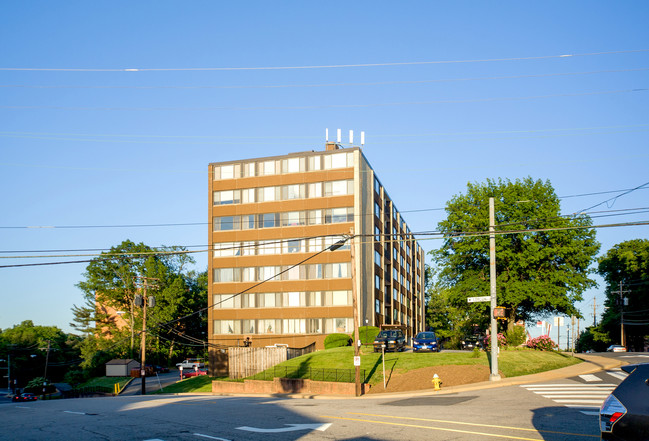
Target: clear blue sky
<point x="448" y="93"/>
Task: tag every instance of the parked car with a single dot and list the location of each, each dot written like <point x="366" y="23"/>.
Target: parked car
<point x="470" y="343"/>
<point x="625" y="413"/>
<point x="425" y="341"/>
<point x="393" y="339"/>
<point x="616" y="348"/>
<point x="190" y="363"/>
<point x="194" y="373"/>
<point x="25" y="397"/>
<point x="157" y="368"/>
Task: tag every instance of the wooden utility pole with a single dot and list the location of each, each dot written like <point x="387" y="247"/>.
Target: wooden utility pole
<point x="145" y="302"/>
<point x="621" y="292"/>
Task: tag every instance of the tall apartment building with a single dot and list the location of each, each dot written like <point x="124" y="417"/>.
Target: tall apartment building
<point x="269" y="214"/>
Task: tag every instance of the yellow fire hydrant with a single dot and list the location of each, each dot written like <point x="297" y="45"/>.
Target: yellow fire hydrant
<point x="437" y="382"/>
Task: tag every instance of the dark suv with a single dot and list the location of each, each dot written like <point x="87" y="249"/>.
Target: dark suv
<point x="393" y="339"/>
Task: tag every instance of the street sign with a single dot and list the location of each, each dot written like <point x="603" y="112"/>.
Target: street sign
<point x="357" y="361"/>
<point x="479" y="299"/>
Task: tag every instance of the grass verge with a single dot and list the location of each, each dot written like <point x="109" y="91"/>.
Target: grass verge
<point x="511" y="363"/>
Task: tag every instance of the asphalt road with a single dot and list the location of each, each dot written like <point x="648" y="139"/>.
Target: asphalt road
<point x="563" y="409"/>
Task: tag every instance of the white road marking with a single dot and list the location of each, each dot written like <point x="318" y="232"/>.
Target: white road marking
<point x="619" y="375"/>
<point x="590" y="378"/>
<point x="293" y="427"/>
<point x="585" y="397"/>
<point x="211" y="437"/>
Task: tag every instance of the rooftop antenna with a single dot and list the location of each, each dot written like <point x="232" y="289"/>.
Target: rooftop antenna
<point x="326" y="135"/>
<point x="351" y="137"/>
<point x="339" y="137"/>
<point x="362" y="139"/>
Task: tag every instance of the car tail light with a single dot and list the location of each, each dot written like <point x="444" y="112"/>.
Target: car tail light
<point x="611" y="411"/>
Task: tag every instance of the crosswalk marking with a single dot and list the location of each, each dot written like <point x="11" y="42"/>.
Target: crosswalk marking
<point x="585" y="397"/>
<point x="619" y="375"/>
<point x="590" y="378"/>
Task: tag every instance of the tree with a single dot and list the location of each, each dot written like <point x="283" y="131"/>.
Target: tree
<point x="111" y="284"/>
<point x="450" y="320"/>
<point x="625" y="268"/>
<point x="542" y="258"/>
<point x="26" y="345"/>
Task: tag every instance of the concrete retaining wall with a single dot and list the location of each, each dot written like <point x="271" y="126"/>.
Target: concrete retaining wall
<point x="287" y="386"/>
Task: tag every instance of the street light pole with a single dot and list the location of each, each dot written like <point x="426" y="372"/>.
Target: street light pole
<point x="357" y="368"/>
<point x="495" y="376"/>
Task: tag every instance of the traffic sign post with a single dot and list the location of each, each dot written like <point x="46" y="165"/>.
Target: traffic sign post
<point x="479" y="299"/>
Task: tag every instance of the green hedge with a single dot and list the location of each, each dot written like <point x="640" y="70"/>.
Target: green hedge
<point x="367" y="334"/>
<point x="337" y="340"/>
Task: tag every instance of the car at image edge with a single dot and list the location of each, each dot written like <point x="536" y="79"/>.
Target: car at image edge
<point x="624" y="415"/>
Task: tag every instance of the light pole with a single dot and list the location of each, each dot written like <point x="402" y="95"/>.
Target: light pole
<point x="495" y="376"/>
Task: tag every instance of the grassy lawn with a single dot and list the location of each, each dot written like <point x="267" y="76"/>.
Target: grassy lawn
<point x="512" y="363"/>
<point x="106" y="382"/>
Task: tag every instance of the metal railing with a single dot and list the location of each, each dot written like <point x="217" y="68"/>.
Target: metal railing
<point x="315" y="374"/>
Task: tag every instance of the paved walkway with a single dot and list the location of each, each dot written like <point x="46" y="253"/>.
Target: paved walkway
<point x="153" y="384"/>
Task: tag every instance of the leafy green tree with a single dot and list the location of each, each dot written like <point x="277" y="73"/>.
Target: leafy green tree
<point x="111" y="283"/>
<point x="542" y="258"/>
<point x="446" y="315"/>
<point x="26" y="345"/>
<point x="625" y="267"/>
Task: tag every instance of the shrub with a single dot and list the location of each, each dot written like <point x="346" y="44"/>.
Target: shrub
<point x="516" y="336"/>
<point x="367" y="334"/>
<point x="475" y="353"/>
<point x="502" y="341"/>
<point x="542" y="343"/>
<point x="337" y="340"/>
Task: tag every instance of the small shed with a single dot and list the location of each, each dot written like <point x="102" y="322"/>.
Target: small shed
<point x="121" y="367"/>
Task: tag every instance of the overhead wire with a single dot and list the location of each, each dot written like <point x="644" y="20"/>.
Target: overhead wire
<point x="353" y="84"/>
<point x="324" y="66"/>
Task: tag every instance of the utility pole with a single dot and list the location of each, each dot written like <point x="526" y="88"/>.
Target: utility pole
<point x="357" y="366"/>
<point x="144" y="300"/>
<point x="594" y="311"/>
<point x="623" y="303"/>
<point x="495" y="376"/>
<point x="47" y="359"/>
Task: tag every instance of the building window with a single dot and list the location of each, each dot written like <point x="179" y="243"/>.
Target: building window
<point x="377" y="306"/>
<point x="395" y="294"/>
<point x="377" y="281"/>
<point x="269" y="220"/>
<point x="314" y="163"/>
<point x="268" y="168"/>
<point x="377" y="233"/>
<point x="377" y="210"/>
<point x="377" y="258"/>
<point x="377" y="186"/>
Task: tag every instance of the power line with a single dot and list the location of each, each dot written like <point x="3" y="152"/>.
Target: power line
<point x="328" y="106"/>
<point x="327" y="66"/>
<point x="282" y="86"/>
<point x="613" y="199"/>
<point x="441" y="236"/>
